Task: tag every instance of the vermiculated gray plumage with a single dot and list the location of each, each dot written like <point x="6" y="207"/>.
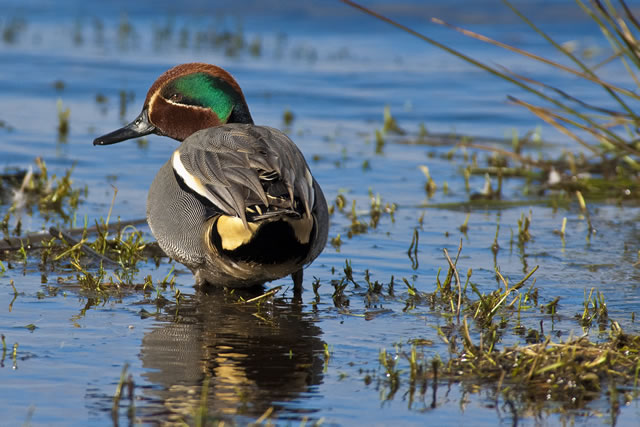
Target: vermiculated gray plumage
<point x="228" y="170"/>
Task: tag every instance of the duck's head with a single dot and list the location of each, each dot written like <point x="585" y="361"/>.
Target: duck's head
<point x="186" y="99"/>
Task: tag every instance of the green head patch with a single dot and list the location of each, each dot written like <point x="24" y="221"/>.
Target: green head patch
<point x="203" y="90"/>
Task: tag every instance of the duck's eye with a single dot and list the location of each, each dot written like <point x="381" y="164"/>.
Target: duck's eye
<point x="176" y="97"/>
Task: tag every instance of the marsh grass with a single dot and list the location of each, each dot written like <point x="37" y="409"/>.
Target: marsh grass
<point x="53" y="198"/>
<point x="523" y="377"/>
<point x="356" y="217"/>
<point x="492" y="346"/>
<point x="101" y="267"/>
<point x="103" y="260"/>
<point x="608" y="162"/>
<point x="570" y="373"/>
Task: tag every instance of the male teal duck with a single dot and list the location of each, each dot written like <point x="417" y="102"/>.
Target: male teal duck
<point x="236" y="202"/>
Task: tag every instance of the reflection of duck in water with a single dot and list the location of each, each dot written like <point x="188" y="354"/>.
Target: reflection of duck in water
<point x="256" y="359"/>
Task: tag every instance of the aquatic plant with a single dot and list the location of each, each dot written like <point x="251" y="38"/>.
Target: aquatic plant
<point x="571" y="373"/>
<point x="390" y="125"/>
<point x="63" y="121"/>
<point x="125" y="384"/>
<point x="55" y="198"/>
<point x="288" y="117"/>
<point x="609" y="136"/>
<point x="13" y="29"/>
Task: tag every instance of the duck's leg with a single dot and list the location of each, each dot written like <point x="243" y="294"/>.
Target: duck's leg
<point x="297" y="284"/>
<point x="200" y="281"/>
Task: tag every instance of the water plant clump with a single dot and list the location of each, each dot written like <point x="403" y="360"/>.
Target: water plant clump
<point x="357" y="224"/>
<point x="55" y="198"/>
<point x="13" y="30"/>
<point x="106" y="255"/>
<point x="287" y="118"/>
<point x="390" y="125"/>
<point x="63" y="121"/>
<point x="99" y="257"/>
<point x="571" y="372"/>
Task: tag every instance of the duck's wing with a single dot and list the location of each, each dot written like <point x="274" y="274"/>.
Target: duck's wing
<point x="248" y="171"/>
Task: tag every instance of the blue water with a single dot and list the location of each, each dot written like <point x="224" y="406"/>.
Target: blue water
<point x="335" y="69"/>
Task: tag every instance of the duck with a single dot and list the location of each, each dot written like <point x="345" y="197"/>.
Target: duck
<point x="236" y="202"/>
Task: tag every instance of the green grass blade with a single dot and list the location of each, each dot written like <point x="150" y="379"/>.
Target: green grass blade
<point x="571" y="56"/>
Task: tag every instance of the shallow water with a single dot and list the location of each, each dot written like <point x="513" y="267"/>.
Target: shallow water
<point x="335" y="70"/>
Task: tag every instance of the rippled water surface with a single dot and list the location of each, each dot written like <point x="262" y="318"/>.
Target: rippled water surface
<point x="335" y="70"/>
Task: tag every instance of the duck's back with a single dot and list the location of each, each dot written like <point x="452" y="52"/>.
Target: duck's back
<point x="238" y="205"/>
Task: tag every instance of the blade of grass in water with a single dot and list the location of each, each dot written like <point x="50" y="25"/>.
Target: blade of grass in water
<point x="611" y="143"/>
<point x="571" y="56"/>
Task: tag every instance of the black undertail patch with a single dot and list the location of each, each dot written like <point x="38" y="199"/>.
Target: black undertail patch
<point x="274" y="243"/>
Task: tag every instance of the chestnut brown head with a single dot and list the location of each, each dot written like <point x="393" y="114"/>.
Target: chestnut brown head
<point x="183" y="100"/>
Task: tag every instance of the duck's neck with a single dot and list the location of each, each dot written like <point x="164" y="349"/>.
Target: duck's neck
<point x="240" y="114"/>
